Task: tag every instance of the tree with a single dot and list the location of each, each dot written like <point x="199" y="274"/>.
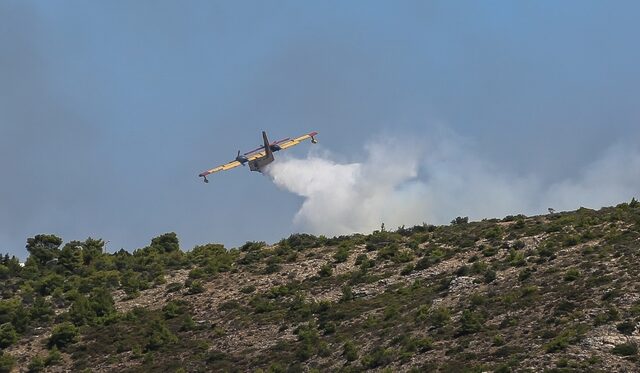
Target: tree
<point x="71" y="257"/>
<point x="166" y="243"/>
<point x="92" y="249"/>
<point x="43" y="248"/>
<point x="81" y="312"/>
<point x="460" y="220"/>
<point x="8" y="335"/>
<point x="159" y="336"/>
<point x="63" y="335"/>
<point x="102" y="303"/>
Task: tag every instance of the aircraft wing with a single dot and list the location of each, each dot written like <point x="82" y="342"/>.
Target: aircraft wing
<point x="297" y="140"/>
<point x="262" y="147"/>
<point x="224" y="167"/>
<point x="256" y="155"/>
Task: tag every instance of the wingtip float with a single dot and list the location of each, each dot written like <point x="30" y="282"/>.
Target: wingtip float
<point x="261" y="156"/>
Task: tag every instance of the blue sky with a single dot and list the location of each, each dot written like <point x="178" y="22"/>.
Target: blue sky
<point x="109" y="109"/>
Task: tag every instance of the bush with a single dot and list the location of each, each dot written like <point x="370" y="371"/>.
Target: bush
<point x="63" y="335"/>
<point x="489" y="276"/>
<point x="173" y="287"/>
<point x="36" y="365"/>
<point x="378" y="357"/>
<point x="571" y="275"/>
<point x="460" y="220"/>
<point x="159" y="336"/>
<point x="563" y="340"/>
<point x="195" y="287"/>
<point x="325" y="271"/>
<point x="470" y="323"/>
<point x="440" y="317"/>
<point x="8" y="335"/>
<point x="347" y="293"/>
<point x="516" y="258"/>
<point x="625" y="349"/>
<point x="407" y="269"/>
<point x="261" y="304"/>
<point x="248" y="289"/>
<point x="422" y="314"/>
<point x="626" y="328"/>
<point x="54" y="357"/>
<point x="350" y="352"/>
<point x="342" y="254"/>
<point x="6" y="362"/>
<point x="174" y="308"/>
<point x="272" y="267"/>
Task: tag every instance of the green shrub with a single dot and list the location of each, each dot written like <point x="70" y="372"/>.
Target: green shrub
<point x="8" y="335"/>
<point x="195" y="287"/>
<point x="159" y="336"/>
<point x="308" y="338"/>
<point x="439" y="317"/>
<point x="572" y="275"/>
<point x="516" y="258"/>
<point x="325" y="271"/>
<point x="54" y="357"/>
<point x="407" y="269"/>
<point x="611" y="314"/>
<point x="379" y="357"/>
<point x="564" y="339"/>
<point x="197" y="273"/>
<point x="272" y="267"/>
<point x="625" y="349"/>
<point x="626" y="328"/>
<point x="261" y="304"/>
<point x="350" y="351"/>
<point x="248" y="289"/>
<point x="390" y="312"/>
<point x="63" y="335"/>
<point x="347" y="293"/>
<point x="36" y="365"/>
<point x="173" y="287"/>
<point x="361" y="258"/>
<point x="470" y="322"/>
<point x="524" y="274"/>
<point x="342" y="254"/>
<point x="489" y="276"/>
<point x="489" y="251"/>
<point x="460" y="220"/>
<point x="422" y="314"/>
<point x="174" y="308"/>
<point x="6" y="362"/>
<point x="413" y="344"/>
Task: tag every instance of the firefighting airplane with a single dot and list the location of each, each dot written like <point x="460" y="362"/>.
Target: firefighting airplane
<point x="262" y="156"/>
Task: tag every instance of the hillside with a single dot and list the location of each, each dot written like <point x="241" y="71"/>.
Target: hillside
<point x="559" y="292"/>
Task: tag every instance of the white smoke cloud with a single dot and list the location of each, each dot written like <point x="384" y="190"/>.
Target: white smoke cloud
<point x="404" y="182"/>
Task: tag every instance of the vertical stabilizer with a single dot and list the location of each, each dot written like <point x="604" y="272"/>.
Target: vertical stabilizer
<point x="259" y="163"/>
<point x="267" y="147"/>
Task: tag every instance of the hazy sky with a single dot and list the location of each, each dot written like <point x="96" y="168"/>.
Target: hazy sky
<point x="110" y="109"/>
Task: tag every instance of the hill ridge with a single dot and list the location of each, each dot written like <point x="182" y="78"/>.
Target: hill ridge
<point x="557" y="292"/>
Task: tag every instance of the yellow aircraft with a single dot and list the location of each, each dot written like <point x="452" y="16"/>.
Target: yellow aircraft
<point x="262" y="156"/>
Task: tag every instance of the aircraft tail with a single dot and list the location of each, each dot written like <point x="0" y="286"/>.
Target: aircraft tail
<point x="267" y="147"/>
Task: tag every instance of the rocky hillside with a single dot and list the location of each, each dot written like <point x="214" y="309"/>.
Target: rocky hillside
<point x="559" y="292"/>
